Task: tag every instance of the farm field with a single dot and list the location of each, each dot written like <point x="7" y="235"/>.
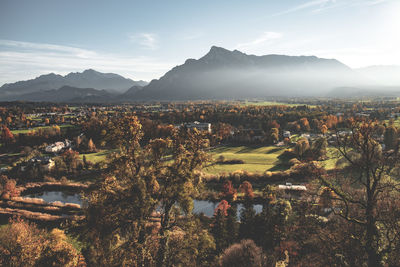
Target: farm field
<point x="256" y="159"/>
<point x="273" y="103"/>
<point x="24" y="131"/>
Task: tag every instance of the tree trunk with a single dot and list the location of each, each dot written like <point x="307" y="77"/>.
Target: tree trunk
<point x="163" y="244"/>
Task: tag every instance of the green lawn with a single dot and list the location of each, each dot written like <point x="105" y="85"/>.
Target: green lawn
<point x="97" y="157"/>
<point x="257" y="159"/>
<point x="272" y="103"/>
<point x="333" y="157"/>
<point x="24" y="131"/>
<point x="396" y="122"/>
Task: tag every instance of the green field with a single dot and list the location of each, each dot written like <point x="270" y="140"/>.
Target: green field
<point x="24" y="131"/>
<point x="272" y="103"/>
<point x="256" y="159"/>
<point x="97" y="157"/>
<point x="396" y="122"/>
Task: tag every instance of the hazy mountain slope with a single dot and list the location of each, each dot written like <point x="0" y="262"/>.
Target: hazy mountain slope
<point x="232" y="74"/>
<point x="385" y="75"/>
<point x="130" y="94"/>
<point x="86" y="79"/>
<point x="66" y="94"/>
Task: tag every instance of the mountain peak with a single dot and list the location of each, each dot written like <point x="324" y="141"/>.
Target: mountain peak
<point x="90" y="71"/>
<point x="216" y="51"/>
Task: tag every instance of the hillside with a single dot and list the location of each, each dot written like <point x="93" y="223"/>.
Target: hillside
<point x="86" y="79"/>
<point x="225" y="74"/>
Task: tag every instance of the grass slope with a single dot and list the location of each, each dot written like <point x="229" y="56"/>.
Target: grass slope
<point x="256" y="159"/>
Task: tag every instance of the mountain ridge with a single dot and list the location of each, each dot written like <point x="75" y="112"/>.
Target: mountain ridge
<point x="219" y="74"/>
<point x="86" y="79"/>
<point x="245" y="75"/>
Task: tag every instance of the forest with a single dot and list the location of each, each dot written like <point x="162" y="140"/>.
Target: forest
<point x="201" y="183"/>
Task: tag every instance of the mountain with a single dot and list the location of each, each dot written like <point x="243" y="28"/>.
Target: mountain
<point x="224" y="74"/>
<point x="67" y="94"/>
<point x="130" y="94"/>
<point x="86" y="79"/>
<point x="385" y="75"/>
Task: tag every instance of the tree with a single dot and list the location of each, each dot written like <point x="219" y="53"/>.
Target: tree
<point x="362" y="191"/>
<point x="245" y="253"/>
<point x="390" y="137"/>
<point x="138" y="180"/>
<point x="247" y="216"/>
<point x="228" y="191"/>
<point x="324" y="129"/>
<point x="274" y="135"/>
<point x="6" y="135"/>
<point x="8" y="187"/>
<point x="91" y="146"/>
<point x="302" y="146"/>
<point x="23" y="244"/>
<point x="319" y="147"/>
<point x="219" y="226"/>
<point x="71" y="159"/>
<point x="305" y="125"/>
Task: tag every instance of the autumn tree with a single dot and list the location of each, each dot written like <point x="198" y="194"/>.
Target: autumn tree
<point x="248" y="214"/>
<point x="228" y="192"/>
<point x="319" y="147"/>
<point x="390" y="137"/>
<point x="24" y="244"/>
<point x="219" y="225"/>
<point x="274" y="135"/>
<point x="301" y="148"/>
<point x="7" y="136"/>
<point x="71" y="159"/>
<point x="363" y="188"/>
<point x="245" y="253"/>
<point x="161" y="174"/>
<point x="91" y="146"/>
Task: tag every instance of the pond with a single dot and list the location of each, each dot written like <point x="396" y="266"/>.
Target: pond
<point x="207" y="207"/>
<point x="52" y="196"/>
<point x="199" y="206"/>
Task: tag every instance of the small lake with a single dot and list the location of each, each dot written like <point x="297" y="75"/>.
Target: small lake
<point x="208" y="207"/>
<point x="199" y="206"/>
<point x="52" y="196"/>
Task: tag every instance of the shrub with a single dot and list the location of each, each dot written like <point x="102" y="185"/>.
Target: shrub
<point x="245" y="253"/>
<point x="23" y="244"/>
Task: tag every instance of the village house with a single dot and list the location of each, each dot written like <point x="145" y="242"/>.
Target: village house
<point x="46" y="164"/>
<point x="58" y="146"/>
<point x="290" y="191"/>
<point x="201" y="126"/>
<point x="286" y="134"/>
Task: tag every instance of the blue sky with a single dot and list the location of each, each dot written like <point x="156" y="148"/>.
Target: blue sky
<point x="144" y="39"/>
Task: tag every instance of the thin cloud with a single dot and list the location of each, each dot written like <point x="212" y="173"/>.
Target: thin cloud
<point x="264" y="38"/>
<point x="25" y="60"/>
<point x="309" y="4"/>
<point x="146" y="40"/>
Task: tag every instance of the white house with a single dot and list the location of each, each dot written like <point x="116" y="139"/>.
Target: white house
<point x="201" y="126"/>
<point x="286" y="134"/>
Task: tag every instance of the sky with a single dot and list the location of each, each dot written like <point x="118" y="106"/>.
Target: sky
<point x="142" y="40"/>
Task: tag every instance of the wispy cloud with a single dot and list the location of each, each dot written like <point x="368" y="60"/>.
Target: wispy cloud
<point x="146" y="40"/>
<point x="317" y="6"/>
<point x="260" y="40"/>
<point x="309" y="4"/>
<point x="25" y="60"/>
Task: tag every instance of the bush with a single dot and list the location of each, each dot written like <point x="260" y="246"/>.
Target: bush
<point x="245" y="253"/>
<point x="23" y="244"/>
<point x="232" y="161"/>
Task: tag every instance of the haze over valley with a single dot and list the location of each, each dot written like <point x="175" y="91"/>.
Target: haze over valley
<point x="220" y="74"/>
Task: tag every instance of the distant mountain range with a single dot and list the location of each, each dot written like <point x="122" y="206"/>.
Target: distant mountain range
<point x="220" y="74"/>
<point x="110" y="82"/>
